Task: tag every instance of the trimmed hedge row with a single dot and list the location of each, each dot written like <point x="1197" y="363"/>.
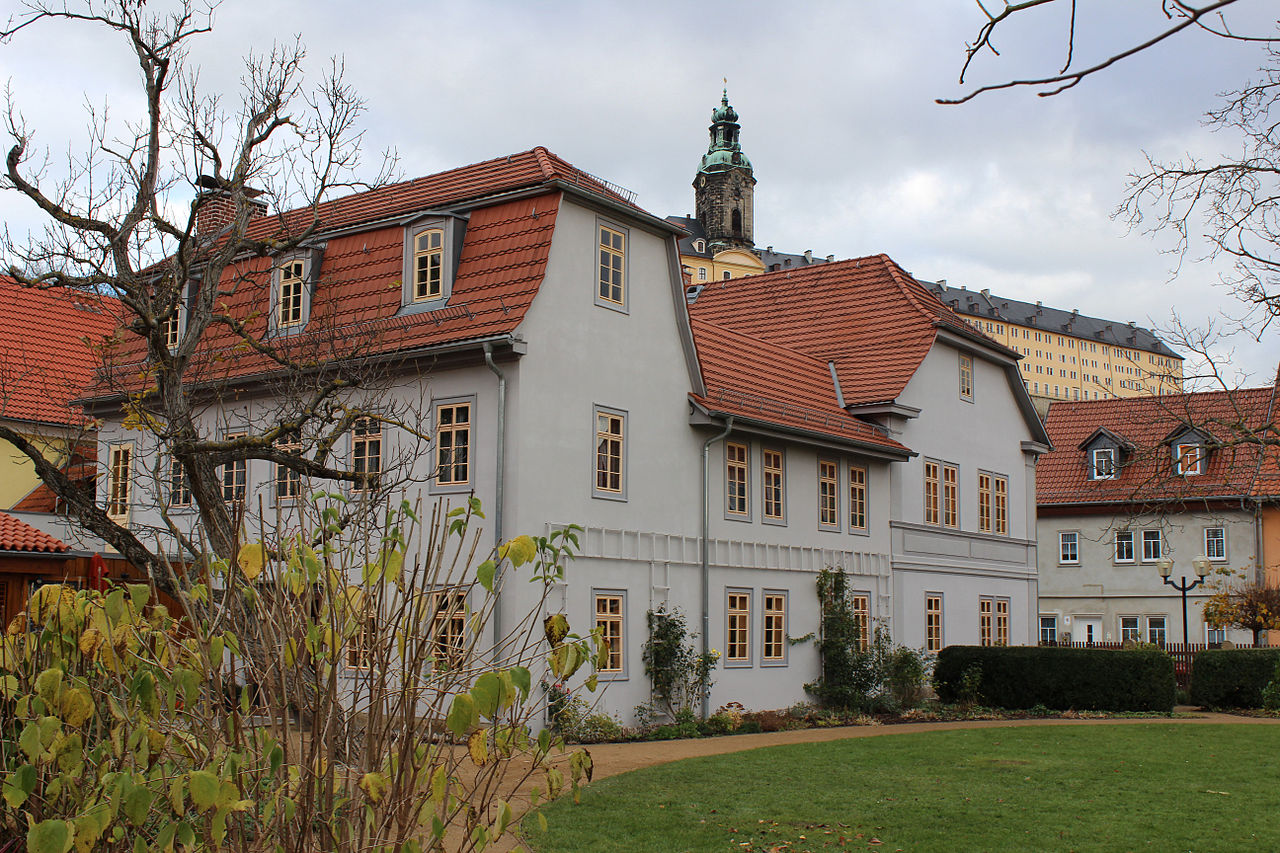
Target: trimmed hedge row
<point x="1061" y="679"/>
<point x="1232" y="678"/>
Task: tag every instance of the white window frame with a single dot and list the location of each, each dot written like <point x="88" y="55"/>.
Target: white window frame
<point x="1052" y="627"/>
<point x="1150" y="555"/>
<point x="1183" y="450"/>
<point x="1217" y="554"/>
<point x="1104" y="464"/>
<point x="1116" y="542"/>
<point x="1130" y="633"/>
<point x="1164" y="630"/>
<point x="1065" y="538"/>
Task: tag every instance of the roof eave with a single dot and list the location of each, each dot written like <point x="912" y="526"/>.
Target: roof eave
<point x="749" y="424"/>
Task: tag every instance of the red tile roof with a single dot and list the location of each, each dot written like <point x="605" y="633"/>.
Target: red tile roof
<point x="1238" y="467"/>
<point x="46" y="357"/>
<point x="17" y="535"/>
<point x="532" y="168"/>
<point x="867" y="315"/>
<point x="357" y="295"/>
<point x="785" y="388"/>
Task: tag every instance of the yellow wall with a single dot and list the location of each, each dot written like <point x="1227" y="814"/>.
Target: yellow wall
<point x="1064" y="367"/>
<point x="735" y="262"/>
<point x="17" y="474"/>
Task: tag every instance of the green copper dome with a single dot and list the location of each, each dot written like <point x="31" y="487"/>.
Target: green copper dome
<point x="724" y="152"/>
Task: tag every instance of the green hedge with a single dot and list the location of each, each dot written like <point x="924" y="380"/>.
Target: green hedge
<point x="1232" y="678"/>
<point x="1061" y="679"/>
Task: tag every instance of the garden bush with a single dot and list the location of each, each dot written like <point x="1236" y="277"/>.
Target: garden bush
<point x="1082" y="679"/>
<point x="1232" y="678"/>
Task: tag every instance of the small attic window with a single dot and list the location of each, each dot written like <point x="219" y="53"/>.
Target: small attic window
<point x="1188" y="458"/>
<point x="1104" y="464"/>
<point x="699" y="246"/>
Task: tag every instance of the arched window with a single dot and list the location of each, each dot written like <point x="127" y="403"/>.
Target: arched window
<point x="737" y="222"/>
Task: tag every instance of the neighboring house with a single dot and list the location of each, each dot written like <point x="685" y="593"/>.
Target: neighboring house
<point x="48" y="343"/>
<point x="538" y="317"/>
<point x="943" y="534"/>
<point x="1131" y="482"/>
<point x="1067" y="355"/>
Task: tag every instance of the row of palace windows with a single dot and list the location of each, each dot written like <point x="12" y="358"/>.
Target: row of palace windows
<point x="452" y="457"/>
<point x="942" y="498"/>
<point x="1150" y="547"/>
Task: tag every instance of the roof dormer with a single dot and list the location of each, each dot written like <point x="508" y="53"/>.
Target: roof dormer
<point x="1189" y="449"/>
<point x="1106" y="453"/>
<point x="432" y="247"/>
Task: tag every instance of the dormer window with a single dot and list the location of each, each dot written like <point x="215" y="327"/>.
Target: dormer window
<point x="1104" y="464"/>
<point x="432" y="247"/>
<point x="428" y="265"/>
<point x="699" y="246"/>
<point x="1188" y="459"/>
<point x="292" y="283"/>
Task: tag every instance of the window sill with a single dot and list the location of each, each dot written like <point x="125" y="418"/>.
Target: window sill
<point x="450" y="488"/>
<point x="608" y="496"/>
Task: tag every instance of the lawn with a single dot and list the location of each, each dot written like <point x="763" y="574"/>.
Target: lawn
<point x="1081" y="788"/>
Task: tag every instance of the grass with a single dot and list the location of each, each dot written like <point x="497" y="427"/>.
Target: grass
<point x="1104" y="788"/>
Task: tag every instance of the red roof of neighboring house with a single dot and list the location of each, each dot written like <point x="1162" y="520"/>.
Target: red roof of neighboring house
<point x="867" y="315"/>
<point x="46" y="357"/>
<point x="1239" y="465"/>
<point x="784" y="387"/>
<point x="17" y="535"/>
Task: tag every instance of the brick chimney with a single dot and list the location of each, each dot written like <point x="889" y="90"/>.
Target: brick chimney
<point x="215" y="207"/>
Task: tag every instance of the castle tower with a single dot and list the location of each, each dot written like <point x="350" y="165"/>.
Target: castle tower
<point x="724" y="186"/>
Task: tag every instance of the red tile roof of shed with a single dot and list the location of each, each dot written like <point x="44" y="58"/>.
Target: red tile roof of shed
<point x="867" y="315"/>
<point x="17" y="535"/>
<point x="45" y="349"/>
<point x="785" y="387"/>
<point x="1237" y="468"/>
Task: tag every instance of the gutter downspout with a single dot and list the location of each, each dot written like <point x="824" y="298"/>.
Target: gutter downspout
<point x="706" y="532"/>
<point x="498" y="488"/>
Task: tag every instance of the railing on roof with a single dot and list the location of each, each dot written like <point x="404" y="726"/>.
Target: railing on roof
<point x="586" y="179"/>
<point x="766" y="405"/>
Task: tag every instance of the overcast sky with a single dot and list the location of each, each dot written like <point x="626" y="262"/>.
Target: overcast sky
<point x="851" y="154"/>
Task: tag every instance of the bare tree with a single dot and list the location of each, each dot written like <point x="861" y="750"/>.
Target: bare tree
<point x="116" y="224"/>
<point x="1180" y="17"/>
<point x="1231" y="201"/>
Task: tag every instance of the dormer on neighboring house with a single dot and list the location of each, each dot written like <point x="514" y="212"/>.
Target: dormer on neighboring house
<point x="1189" y="450"/>
<point x="1106" y="453"/>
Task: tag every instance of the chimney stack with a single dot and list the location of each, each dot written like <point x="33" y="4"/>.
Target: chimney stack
<point x="215" y="207"/>
<point x="808" y="256"/>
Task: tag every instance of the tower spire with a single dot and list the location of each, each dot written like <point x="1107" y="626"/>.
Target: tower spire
<point x="724" y="185"/>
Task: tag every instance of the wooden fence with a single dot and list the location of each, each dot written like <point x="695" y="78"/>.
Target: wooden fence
<point x="1183" y="654"/>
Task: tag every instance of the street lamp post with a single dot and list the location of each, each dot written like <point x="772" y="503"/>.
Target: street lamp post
<point x="1165" y="567"/>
